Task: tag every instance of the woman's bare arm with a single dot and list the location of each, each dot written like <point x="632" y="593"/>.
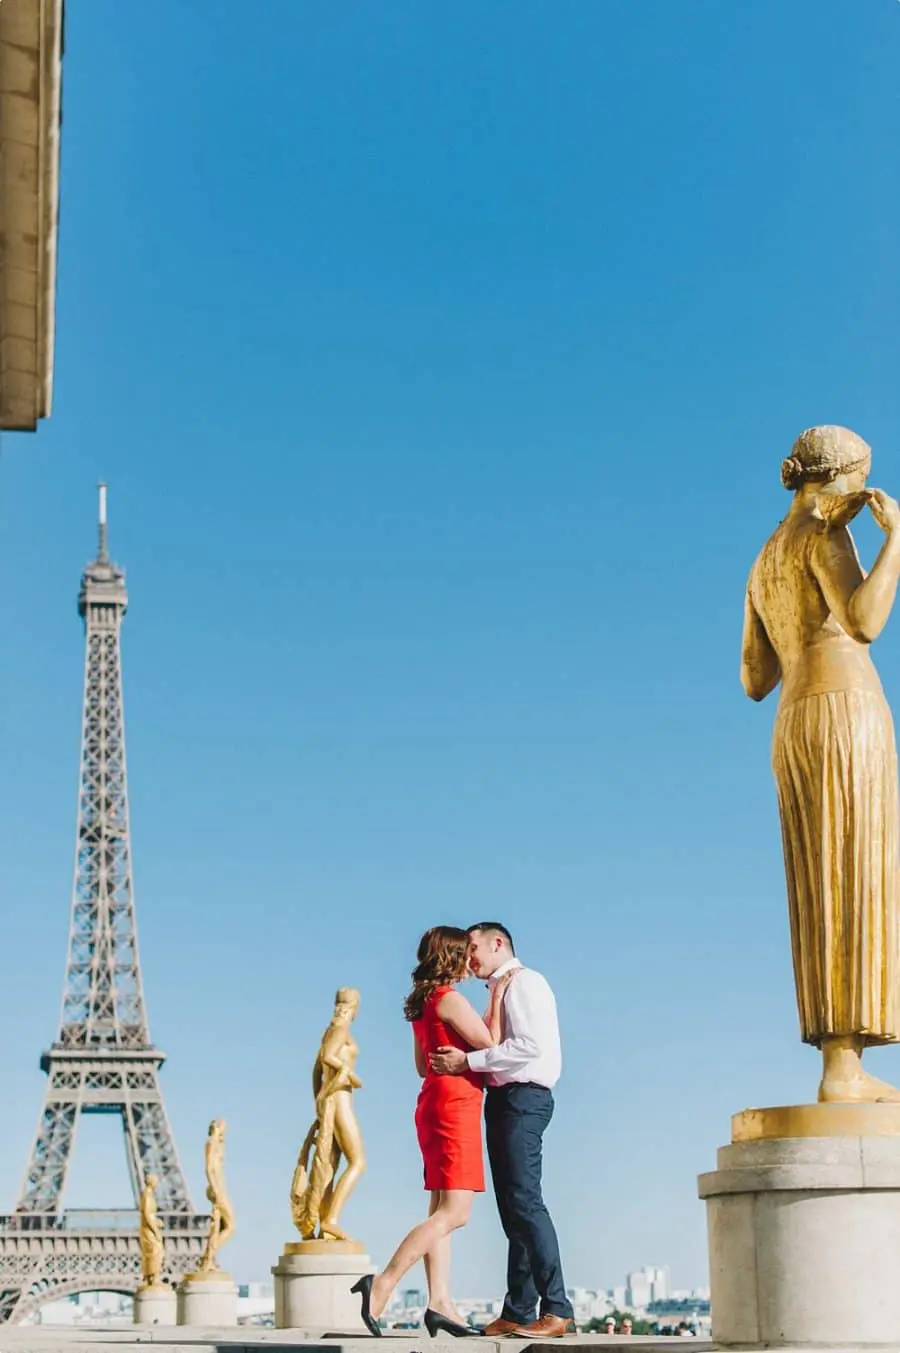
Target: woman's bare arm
<point x="456" y="1011"/>
<point x="760" y="668"/>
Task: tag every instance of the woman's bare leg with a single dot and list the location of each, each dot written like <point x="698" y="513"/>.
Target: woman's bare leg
<point x="437" y="1272"/>
<point x="452" y="1211"/>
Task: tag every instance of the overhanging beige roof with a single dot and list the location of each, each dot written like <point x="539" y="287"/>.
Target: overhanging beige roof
<point x="30" y="82"/>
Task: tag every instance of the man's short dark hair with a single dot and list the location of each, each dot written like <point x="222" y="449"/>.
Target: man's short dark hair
<point x="493" y="928"/>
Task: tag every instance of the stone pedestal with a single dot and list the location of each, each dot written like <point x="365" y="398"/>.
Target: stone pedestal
<point x="803" y="1215"/>
<point x="312" y="1286"/>
<point x="208" y="1298"/>
<point x="155" y="1306"/>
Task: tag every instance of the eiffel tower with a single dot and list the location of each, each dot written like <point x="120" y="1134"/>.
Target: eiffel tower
<point x="103" y="1060"/>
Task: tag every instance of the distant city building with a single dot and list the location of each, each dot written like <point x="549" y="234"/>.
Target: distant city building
<point x="689" y="1294"/>
<point x="255" y="1291"/>
<point x="589" y="1303"/>
<point x="646" y="1285"/>
<point x="87" y="1308"/>
<point x="647" y="1293"/>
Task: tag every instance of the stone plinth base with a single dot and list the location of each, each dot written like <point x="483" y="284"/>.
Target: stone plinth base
<point x="804" y="1230"/>
<point x="155" y="1306"/>
<point x="312" y="1287"/>
<point x="208" y="1299"/>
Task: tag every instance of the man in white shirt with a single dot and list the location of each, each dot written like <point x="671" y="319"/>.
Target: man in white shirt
<point x="521" y="1071"/>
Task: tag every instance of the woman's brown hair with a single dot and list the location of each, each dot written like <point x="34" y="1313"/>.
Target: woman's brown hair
<point x="443" y="954"/>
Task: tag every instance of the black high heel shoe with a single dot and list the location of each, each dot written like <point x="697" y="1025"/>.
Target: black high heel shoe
<point x="435" y="1323"/>
<point x="364" y="1288"/>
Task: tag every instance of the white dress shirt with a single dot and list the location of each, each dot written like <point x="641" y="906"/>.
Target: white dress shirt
<point x="529" y="1049"/>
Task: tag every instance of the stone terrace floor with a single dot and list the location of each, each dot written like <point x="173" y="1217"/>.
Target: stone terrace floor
<point x="249" y="1339"/>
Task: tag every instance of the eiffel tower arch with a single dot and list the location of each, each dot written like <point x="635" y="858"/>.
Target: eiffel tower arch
<point x="103" y="1059"/>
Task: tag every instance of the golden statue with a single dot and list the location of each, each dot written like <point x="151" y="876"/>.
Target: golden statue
<point x="150" y="1235"/>
<point x="317" y="1196"/>
<point x="810" y="615"/>
<point x="221" y="1222"/>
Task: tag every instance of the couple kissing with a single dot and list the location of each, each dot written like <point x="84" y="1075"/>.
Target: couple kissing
<point x="509" y="1060"/>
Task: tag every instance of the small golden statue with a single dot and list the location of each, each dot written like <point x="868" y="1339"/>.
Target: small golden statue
<point x="810" y="616"/>
<point x="317" y="1196"/>
<point x="150" y="1236"/>
<point x="221" y="1222"/>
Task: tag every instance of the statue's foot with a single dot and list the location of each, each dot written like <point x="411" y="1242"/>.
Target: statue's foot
<point x="858" y="1089"/>
<point x="328" y="1231"/>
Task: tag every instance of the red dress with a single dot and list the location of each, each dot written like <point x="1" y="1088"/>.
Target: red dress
<point x="448" y="1112"/>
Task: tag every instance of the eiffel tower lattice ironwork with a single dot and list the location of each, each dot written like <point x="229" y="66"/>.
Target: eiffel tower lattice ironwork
<point x="103" y="1060"/>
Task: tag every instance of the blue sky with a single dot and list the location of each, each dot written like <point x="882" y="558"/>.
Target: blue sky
<point x="441" y="361"/>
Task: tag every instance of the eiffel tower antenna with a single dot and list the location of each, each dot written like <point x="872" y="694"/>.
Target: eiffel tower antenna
<point x="102" y="548"/>
<point x="103" y="1059"/>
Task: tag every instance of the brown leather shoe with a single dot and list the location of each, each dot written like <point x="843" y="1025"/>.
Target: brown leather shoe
<point x="499" y="1328"/>
<point x="548" y="1327"/>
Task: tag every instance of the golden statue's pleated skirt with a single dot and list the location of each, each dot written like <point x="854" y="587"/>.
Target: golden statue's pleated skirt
<point x="835" y="764"/>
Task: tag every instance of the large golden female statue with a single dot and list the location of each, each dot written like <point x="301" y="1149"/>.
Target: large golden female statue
<point x="318" y="1196"/>
<point x="810" y="616"/>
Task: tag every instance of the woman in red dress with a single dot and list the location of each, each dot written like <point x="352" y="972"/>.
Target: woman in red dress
<point x="448" y="1124"/>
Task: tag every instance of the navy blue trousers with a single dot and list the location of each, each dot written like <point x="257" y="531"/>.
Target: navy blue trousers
<point x="516" y="1117"/>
